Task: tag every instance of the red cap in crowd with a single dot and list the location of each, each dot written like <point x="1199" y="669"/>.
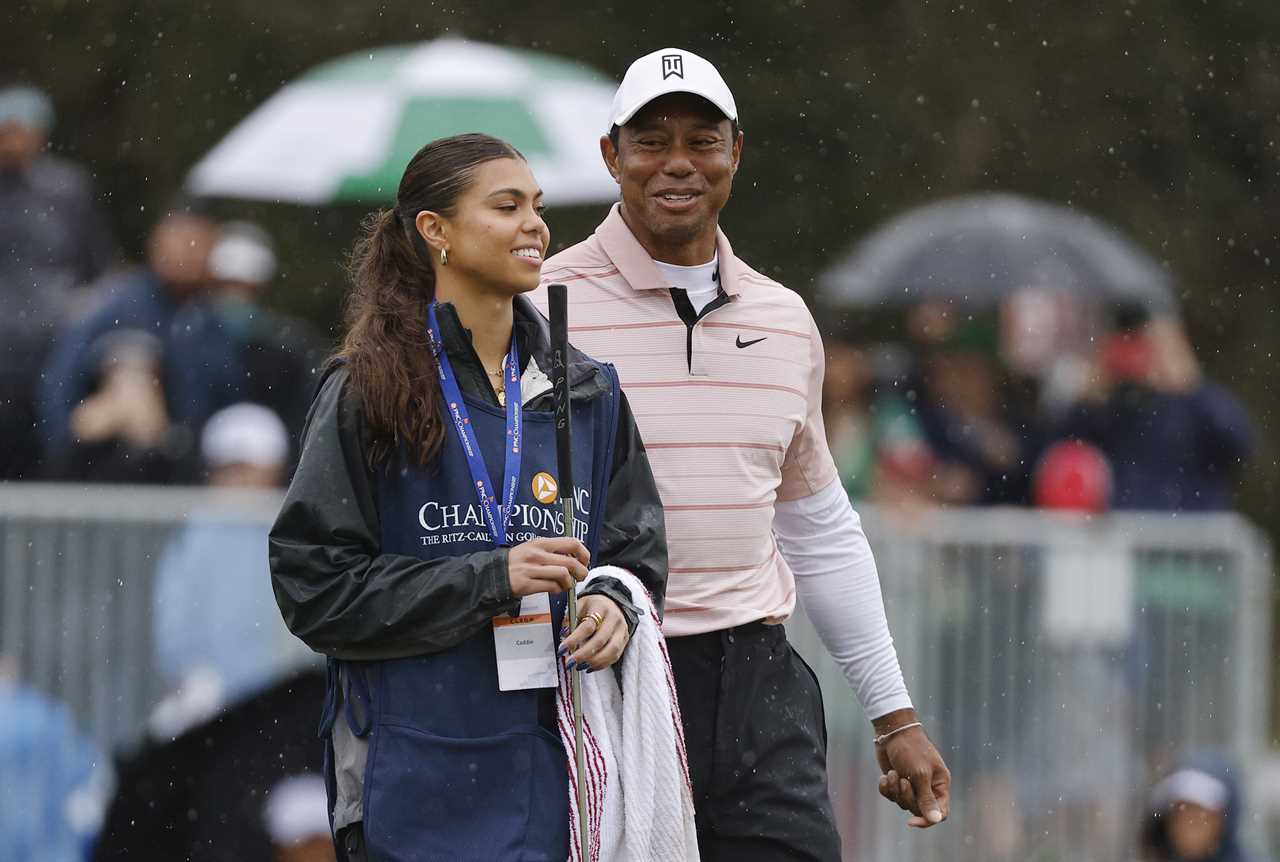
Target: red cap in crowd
<point x="1072" y="475"/>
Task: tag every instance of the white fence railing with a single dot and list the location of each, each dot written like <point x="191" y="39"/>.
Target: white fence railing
<point x="1060" y="664"/>
<point x="78" y="572"/>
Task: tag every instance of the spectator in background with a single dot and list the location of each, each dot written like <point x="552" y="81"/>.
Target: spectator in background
<point x="279" y="354"/>
<point x="197" y="361"/>
<point x="846" y="412"/>
<point x="1194" y="816"/>
<point x="53" y="239"/>
<point x="980" y="449"/>
<point x="200" y="797"/>
<point x="121" y="430"/>
<point x="218" y="633"/>
<point x="1175" y="440"/>
<point x="53" y="781"/>
<point x="874" y="435"/>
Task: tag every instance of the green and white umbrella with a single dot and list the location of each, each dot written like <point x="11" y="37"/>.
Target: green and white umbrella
<point x="344" y="131"/>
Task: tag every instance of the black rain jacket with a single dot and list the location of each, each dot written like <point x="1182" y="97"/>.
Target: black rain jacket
<point x="346" y="599"/>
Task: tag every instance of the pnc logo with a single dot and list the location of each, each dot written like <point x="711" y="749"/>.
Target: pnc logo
<point x="545" y="488"/>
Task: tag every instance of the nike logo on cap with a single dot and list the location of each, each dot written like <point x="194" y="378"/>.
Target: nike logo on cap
<point x="742" y="343"/>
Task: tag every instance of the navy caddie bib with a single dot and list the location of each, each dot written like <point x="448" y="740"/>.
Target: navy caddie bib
<point x="458" y="769"/>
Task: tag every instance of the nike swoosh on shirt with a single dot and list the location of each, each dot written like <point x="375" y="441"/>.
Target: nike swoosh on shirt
<point x="742" y="343"/>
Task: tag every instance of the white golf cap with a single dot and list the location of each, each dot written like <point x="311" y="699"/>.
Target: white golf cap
<point x="296" y="810"/>
<point x="669" y="70"/>
<point x="26" y="107"/>
<point x="243" y="253"/>
<point x="1194" y="786"/>
<point x="244" y="433"/>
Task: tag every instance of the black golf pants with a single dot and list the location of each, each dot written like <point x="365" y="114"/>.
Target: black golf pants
<point x="757" y="745"/>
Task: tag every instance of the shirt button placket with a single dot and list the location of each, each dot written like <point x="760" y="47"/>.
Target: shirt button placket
<point x="697" y="357"/>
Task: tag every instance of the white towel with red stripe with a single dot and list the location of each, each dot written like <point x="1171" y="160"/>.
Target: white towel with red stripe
<point x="639" y="799"/>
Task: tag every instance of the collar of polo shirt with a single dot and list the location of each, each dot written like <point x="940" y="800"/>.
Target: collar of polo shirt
<point x="637" y="267"/>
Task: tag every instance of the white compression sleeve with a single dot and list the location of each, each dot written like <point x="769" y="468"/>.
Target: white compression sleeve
<point x="822" y="541"/>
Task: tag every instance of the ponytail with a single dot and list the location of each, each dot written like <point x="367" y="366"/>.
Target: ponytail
<point x="388" y="354"/>
<point x="392" y="370"/>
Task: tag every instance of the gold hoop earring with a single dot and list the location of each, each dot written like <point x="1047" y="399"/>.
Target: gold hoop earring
<point x="444" y="257"/>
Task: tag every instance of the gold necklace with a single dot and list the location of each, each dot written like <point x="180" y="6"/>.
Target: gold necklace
<point x="499" y="388"/>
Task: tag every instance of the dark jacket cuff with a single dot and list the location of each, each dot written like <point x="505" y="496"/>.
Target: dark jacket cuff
<point x="616" y="590"/>
<point x="499" y="591"/>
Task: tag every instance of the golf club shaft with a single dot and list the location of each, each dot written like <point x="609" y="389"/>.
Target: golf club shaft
<point x="558" y="306"/>
<point x="575" y="681"/>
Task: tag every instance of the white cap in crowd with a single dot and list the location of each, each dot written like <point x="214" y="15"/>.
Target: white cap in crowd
<point x="27" y="107"/>
<point x="1194" y="786"/>
<point x="244" y="434"/>
<point x="243" y="253"/>
<point x="670" y="70"/>
<point x="296" y="810"/>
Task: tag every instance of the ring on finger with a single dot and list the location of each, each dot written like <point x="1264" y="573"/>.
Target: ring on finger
<point x="595" y="618"/>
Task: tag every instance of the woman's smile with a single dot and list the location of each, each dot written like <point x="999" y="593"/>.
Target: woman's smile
<point x="530" y="253"/>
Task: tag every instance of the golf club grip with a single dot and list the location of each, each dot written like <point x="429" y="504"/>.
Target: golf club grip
<point x="558" y="306"/>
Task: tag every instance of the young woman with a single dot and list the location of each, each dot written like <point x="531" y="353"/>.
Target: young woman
<point x="422" y="527"/>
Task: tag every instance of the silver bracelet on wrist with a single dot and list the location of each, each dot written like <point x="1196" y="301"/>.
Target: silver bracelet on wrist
<point x="880" y="740"/>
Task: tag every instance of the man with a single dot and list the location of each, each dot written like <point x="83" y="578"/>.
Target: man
<point x="219" y="638"/>
<point x="53" y="239"/>
<point x="1195" y="815"/>
<point x="724" y="369"/>
<point x="53" y="779"/>
<point x="281" y="355"/>
<point x="201" y="795"/>
<point x="1175" y="439"/>
<point x="87" y="421"/>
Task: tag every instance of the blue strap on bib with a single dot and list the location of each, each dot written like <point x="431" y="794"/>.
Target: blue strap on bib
<point x="495" y="517"/>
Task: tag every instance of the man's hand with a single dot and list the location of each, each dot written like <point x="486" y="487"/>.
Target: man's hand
<point x="915" y="778"/>
<point x="1173" y="367"/>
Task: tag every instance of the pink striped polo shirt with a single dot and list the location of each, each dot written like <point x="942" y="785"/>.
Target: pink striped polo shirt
<point x="731" y="417"/>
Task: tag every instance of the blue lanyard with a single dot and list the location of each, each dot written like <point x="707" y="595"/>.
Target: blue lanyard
<point x="495" y="518"/>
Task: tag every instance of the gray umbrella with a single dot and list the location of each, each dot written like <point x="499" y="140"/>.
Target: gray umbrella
<point x="980" y="248"/>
